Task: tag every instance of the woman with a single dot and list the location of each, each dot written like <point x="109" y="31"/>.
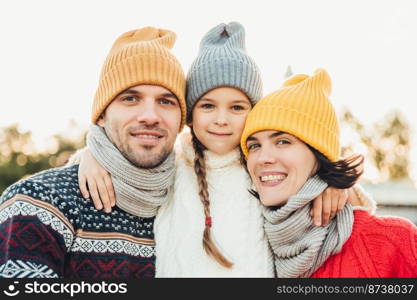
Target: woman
<point x="291" y="142"/>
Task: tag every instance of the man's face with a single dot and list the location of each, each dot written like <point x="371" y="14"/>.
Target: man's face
<point x="143" y="122"/>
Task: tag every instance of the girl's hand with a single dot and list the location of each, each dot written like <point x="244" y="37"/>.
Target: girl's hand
<point x="328" y="204"/>
<point x="94" y="180"/>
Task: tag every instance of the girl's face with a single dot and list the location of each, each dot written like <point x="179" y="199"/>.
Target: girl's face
<point x="218" y="119"/>
<point x="279" y="165"/>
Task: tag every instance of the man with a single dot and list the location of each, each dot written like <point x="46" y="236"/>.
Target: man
<point x="47" y="229"/>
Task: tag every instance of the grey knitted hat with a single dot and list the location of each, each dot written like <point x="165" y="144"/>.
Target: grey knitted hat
<point x="223" y="61"/>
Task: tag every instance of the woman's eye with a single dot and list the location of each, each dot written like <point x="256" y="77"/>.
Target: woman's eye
<point x="252" y="146"/>
<point x="283" y="142"/>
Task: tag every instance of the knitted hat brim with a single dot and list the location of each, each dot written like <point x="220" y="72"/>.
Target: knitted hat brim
<point x="295" y="123"/>
<point x="223" y="72"/>
<point x="140" y="70"/>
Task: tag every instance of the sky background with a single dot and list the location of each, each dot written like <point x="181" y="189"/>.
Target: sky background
<point x="52" y="51"/>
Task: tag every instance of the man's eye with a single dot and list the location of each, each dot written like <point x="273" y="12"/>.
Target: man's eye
<point x="252" y="147"/>
<point x="129" y="99"/>
<point x="167" y="101"/>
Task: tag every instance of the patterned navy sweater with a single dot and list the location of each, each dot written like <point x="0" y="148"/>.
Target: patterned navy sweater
<point x="47" y="229"/>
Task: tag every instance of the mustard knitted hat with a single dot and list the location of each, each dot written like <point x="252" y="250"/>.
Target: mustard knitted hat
<point x="301" y="107"/>
<point x="137" y="57"/>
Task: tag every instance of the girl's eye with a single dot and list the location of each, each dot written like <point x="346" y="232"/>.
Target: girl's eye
<point x="238" y="107"/>
<point x="252" y="146"/>
<point x="207" y="106"/>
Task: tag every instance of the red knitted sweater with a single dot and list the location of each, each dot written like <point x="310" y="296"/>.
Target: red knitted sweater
<point x="378" y="247"/>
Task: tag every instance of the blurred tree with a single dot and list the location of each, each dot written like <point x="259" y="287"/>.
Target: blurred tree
<point x="388" y="143"/>
<point x="18" y="158"/>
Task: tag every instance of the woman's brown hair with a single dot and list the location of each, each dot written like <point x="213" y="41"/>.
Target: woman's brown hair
<point x="341" y="174"/>
<point x="200" y="170"/>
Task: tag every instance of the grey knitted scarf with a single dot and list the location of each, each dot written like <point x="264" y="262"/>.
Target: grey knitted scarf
<point x="299" y="247"/>
<point x="138" y="191"/>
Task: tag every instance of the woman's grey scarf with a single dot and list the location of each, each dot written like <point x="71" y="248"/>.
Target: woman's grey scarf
<point x="300" y="247"/>
<point x="138" y="191"/>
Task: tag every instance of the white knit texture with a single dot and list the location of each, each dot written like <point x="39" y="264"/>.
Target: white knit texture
<point x="237" y="222"/>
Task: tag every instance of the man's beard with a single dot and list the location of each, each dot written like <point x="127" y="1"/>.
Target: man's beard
<point x="144" y="160"/>
<point x="140" y="158"/>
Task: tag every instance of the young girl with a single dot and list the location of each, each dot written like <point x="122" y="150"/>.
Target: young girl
<point x="291" y="164"/>
<point x="212" y="226"/>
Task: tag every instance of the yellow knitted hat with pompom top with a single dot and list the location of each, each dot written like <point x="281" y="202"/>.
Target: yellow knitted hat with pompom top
<point x="301" y="107"/>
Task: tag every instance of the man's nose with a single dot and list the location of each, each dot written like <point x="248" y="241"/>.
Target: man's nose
<point x="148" y="113"/>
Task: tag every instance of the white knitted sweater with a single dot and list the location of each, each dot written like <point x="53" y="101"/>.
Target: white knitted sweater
<point x="236" y="217"/>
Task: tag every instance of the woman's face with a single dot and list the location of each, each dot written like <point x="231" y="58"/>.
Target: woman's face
<point x="279" y="164"/>
<point x="219" y="118"/>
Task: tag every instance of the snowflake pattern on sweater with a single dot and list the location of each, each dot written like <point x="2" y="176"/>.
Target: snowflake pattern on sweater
<point x="47" y="230"/>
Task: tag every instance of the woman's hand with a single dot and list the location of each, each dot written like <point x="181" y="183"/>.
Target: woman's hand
<point x="94" y="180"/>
<point x="328" y="204"/>
<point x="356" y="199"/>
